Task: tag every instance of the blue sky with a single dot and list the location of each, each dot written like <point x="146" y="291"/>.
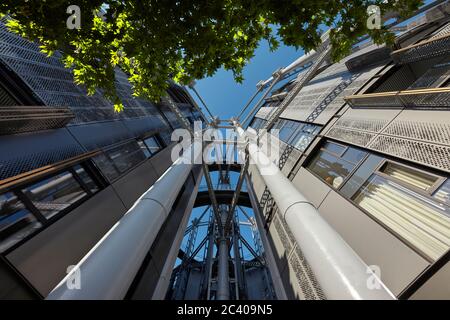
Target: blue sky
<point x="225" y="98"/>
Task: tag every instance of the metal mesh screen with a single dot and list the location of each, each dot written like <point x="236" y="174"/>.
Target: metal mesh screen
<point x="53" y="83"/>
<point x="436" y="156"/>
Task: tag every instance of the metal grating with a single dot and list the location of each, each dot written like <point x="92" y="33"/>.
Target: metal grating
<point x="19" y="119"/>
<point x="424" y="153"/>
<point x="398" y="80"/>
<point x="15" y="166"/>
<point x="310" y="288"/>
<point x="442" y="31"/>
<point x="351" y="136"/>
<point x="373" y="125"/>
<point x="6" y="99"/>
<point x="434" y="98"/>
<point x="336" y="92"/>
<point x="434" y="47"/>
<point x="285" y="156"/>
<point x="53" y="84"/>
<point x="370" y="58"/>
<point x="426" y="131"/>
<point x="434" y="77"/>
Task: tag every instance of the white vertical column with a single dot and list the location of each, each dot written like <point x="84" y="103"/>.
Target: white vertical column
<point x="108" y="270"/>
<point x="339" y="270"/>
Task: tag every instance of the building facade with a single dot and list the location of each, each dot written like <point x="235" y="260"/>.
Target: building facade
<point x="367" y="141"/>
<point x="70" y="166"/>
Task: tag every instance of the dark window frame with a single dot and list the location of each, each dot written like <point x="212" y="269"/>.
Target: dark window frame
<point x="440" y="180"/>
<point x="386" y="158"/>
<point x="46" y="222"/>
<point x="339" y="156"/>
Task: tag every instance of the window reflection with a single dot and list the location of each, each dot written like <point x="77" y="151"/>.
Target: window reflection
<point x="419" y="220"/>
<point x="86" y="178"/>
<point x="443" y="193"/>
<point x="16" y="222"/>
<point x="54" y="194"/>
<point x="332" y="168"/>
<point x="305" y="135"/>
<point x="153" y="145"/>
<point x="117" y="160"/>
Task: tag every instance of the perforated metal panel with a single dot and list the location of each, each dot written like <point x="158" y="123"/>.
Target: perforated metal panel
<point x="424" y="153"/>
<point x="19" y="119"/>
<point x="399" y="80"/>
<point x="434" y="47"/>
<point x="25" y="152"/>
<point x="6" y="99"/>
<point x="287" y="244"/>
<point x="426" y="131"/>
<point x="310" y="288"/>
<point x="265" y="112"/>
<point x="434" y="77"/>
<point x="53" y="83"/>
<point x="335" y="93"/>
<point x="323" y="97"/>
<point x="442" y="31"/>
<point x="351" y="136"/>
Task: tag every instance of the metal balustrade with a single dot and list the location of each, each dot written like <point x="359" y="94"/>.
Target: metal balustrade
<point x="434" y="98"/>
<point x="428" y="49"/>
<point x="19" y="119"/>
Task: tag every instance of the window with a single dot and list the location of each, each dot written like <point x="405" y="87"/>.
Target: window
<point x="422" y="222"/>
<point x="86" y="179"/>
<point x="361" y="175"/>
<point x="304" y="136"/>
<point x="443" y="193"/>
<point x="27" y="208"/>
<point x="287" y="130"/>
<point x="166" y="137"/>
<point x="16" y="221"/>
<point x="144" y="149"/>
<point x="150" y="146"/>
<point x="153" y="145"/>
<point x="413" y="204"/>
<point x="258" y="123"/>
<point x="119" y="159"/>
<point x="335" y="162"/>
<point x="54" y="194"/>
<point x="417" y="179"/>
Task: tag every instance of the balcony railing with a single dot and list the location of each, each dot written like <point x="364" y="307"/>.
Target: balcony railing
<point x="434" y="98"/>
<point x="19" y="119"/>
<point x="428" y="49"/>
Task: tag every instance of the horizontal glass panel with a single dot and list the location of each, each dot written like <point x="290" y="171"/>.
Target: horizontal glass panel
<point x="354" y="155"/>
<point x="287" y="130"/>
<point x="302" y="139"/>
<point x="90" y="184"/>
<point x="16" y="222"/>
<point x="54" y="194"/>
<point x="424" y="223"/>
<point x="443" y="193"/>
<point x="335" y="148"/>
<point x="361" y="175"/>
<point x="144" y="149"/>
<point x="152" y="145"/>
<point x="330" y="168"/>
<point x="413" y="177"/>
<point x="106" y="166"/>
<point x="126" y="156"/>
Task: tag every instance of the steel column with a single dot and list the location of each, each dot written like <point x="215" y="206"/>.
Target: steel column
<point x="108" y="270"/>
<point x="341" y="273"/>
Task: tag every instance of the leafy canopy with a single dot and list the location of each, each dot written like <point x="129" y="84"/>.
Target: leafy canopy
<point x="155" y="40"/>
